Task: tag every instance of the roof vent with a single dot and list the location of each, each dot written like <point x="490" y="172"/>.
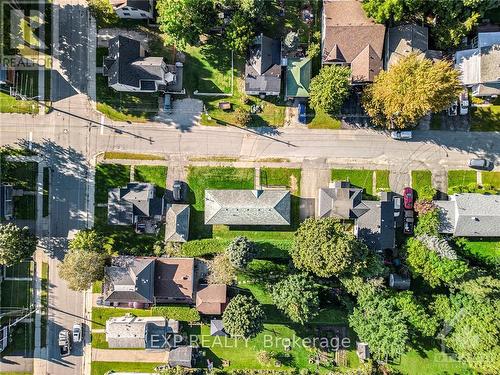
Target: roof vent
<point x="475" y="218"/>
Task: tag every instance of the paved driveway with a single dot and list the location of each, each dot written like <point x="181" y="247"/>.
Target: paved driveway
<point x="186" y="113"/>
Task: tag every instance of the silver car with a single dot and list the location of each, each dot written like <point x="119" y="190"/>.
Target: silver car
<point x="480" y="164"/>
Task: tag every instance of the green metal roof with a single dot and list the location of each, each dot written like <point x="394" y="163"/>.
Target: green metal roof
<point x="298" y="77"/>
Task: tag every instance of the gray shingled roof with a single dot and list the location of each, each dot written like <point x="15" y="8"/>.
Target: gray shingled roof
<point x="130" y="279"/>
<point x="136" y="198"/>
<point x="342" y="201"/>
<point x="247" y="207"/>
<point x="177" y="223"/>
<point x="217" y="328"/>
<point x="376" y="227"/>
<point x="405" y="39"/>
<point x="125" y="65"/>
<point x="263" y="67"/>
<point x="471" y="215"/>
<point x="182" y="356"/>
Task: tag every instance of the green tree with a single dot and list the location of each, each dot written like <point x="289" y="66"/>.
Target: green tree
<point x="80" y="268"/>
<point x="184" y="21"/>
<point x="297" y="296"/>
<point x="325" y="248"/>
<point x="240" y="251"/>
<point x="409" y="90"/>
<point x="471" y="329"/>
<point x="239" y="33"/>
<point x="330" y="88"/>
<point x="291" y="40"/>
<point x="428" y="223"/>
<point x="421" y="322"/>
<point x="16" y="244"/>
<point x="103" y="12"/>
<point x="433" y="268"/>
<point x="378" y="322"/>
<point x="243" y="317"/>
<point x="88" y="240"/>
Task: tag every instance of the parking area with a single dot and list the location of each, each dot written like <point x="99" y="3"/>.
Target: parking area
<point x="185" y="113"/>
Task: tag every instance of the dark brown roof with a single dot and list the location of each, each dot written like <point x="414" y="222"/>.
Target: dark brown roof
<point x="174" y="278"/>
<point x="212" y="299"/>
<point x="351" y="37"/>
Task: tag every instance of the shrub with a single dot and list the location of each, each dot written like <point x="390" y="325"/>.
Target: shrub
<point x="264" y="357"/>
<point x="243" y="317"/>
<point x="181" y="313"/>
<point x="221" y="271"/>
<point x="423" y="206"/>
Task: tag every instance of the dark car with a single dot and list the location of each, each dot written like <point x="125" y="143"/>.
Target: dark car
<point x="302" y="113"/>
<point x="480" y="164"/>
<point x="409" y="222"/>
<point x="64" y="342"/>
<point x="177" y="191"/>
<point x="408" y="198"/>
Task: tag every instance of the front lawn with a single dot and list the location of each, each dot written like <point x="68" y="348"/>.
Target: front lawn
<point x="124" y="106"/>
<point x="9" y="104"/>
<point x="23" y="269"/>
<point x="491" y="178"/>
<point x="155" y="174"/>
<point x="486" y="119"/>
<point x="486" y="250"/>
<point x="108" y="176"/>
<point x="322" y="120"/>
<point x="16" y="293"/>
<point x="361" y="178"/>
<point x="382" y="180"/>
<point x="421" y="182"/>
<point x="461" y="178"/>
<point x="131" y="156"/>
<point x="201" y="178"/>
<point x="101" y="368"/>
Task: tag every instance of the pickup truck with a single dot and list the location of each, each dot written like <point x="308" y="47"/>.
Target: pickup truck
<point x="64" y="343"/>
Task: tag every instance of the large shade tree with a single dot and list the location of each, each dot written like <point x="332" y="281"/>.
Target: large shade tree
<point x="16" y="244"/>
<point x="80" y="268"/>
<point x="409" y="90"/>
<point x="184" y="21"/>
<point x="297" y="296"/>
<point x="330" y="88"/>
<point x="243" y="317"/>
<point x="378" y="322"/>
<point x="326" y="248"/>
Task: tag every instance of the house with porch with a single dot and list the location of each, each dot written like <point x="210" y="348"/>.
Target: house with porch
<point x="263" y="67"/>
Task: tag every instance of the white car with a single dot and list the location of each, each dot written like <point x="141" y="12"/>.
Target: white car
<point x="405" y="134"/>
<point x="397" y="206"/>
<point x="77" y="332"/>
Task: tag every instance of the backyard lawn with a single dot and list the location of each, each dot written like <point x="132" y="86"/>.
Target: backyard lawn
<point x="21" y="175"/>
<point x="421" y="182"/>
<point x="25" y="207"/>
<point x="382" y="180"/>
<point x="23" y="269"/>
<point x="461" y="178"/>
<point x="486" y="250"/>
<point x="362" y="178"/>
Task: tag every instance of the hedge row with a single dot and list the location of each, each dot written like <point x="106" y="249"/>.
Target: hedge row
<point x="181" y="313"/>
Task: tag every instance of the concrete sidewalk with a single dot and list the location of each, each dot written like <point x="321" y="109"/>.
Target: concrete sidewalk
<point x="124" y="355"/>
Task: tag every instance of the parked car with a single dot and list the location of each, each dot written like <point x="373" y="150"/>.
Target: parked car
<point x="464" y="102"/>
<point x="405" y="134"/>
<point x="167" y="104"/>
<point x="302" y="113"/>
<point x="453" y="109"/>
<point x="177" y="190"/>
<point x="480" y="164"/>
<point x="397" y="206"/>
<point x="64" y="342"/>
<point x="408" y="222"/>
<point x="408" y="198"/>
<point x="77" y="332"/>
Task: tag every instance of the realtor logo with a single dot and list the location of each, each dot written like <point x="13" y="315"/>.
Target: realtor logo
<point x="25" y="39"/>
